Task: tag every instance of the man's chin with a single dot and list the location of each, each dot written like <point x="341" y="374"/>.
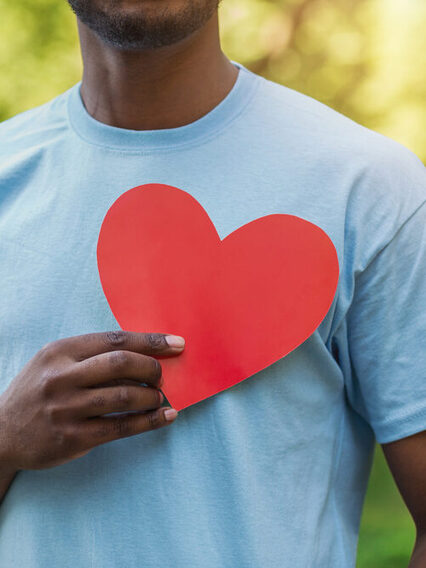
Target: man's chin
<point x="143" y="24"/>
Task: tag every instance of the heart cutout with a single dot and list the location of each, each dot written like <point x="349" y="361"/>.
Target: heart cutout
<point x="241" y="303"/>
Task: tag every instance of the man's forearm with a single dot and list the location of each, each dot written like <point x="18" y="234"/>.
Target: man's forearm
<point x="418" y="558"/>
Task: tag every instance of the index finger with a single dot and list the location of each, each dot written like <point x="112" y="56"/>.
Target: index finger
<point x="82" y="347"/>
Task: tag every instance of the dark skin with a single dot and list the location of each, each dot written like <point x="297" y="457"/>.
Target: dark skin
<point x="407" y="461"/>
<point x="162" y="87"/>
<point x="148" y="64"/>
<point x="55" y="409"/>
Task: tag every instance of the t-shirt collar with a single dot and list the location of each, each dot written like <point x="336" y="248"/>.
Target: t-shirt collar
<point x="103" y="134"/>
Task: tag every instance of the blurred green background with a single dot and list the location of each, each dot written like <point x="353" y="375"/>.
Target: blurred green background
<point x="365" y="58"/>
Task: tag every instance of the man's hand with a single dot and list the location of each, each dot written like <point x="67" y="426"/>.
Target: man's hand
<point x="53" y="410"/>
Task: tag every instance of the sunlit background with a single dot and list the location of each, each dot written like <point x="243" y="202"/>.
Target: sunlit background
<point x="364" y="58"/>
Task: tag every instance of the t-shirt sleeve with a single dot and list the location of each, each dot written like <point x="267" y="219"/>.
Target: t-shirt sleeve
<point x="386" y="335"/>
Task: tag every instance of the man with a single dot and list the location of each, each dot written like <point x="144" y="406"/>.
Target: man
<point x="272" y="472"/>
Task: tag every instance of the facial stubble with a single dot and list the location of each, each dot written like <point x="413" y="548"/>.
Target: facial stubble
<point x="143" y="28"/>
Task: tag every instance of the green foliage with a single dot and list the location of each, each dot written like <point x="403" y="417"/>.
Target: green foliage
<point x="39" y="54"/>
<point x="365" y="58"/>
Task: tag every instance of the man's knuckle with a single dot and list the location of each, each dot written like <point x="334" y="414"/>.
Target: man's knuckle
<point x="91" y="364"/>
<point x="49" y="380"/>
<point x="46" y="389"/>
<point x="154" y="420"/>
<point x="98" y="401"/>
<point x="119" y="360"/>
<point x="49" y="350"/>
<point x="121" y="427"/>
<point x="155" y="341"/>
<point x="53" y="413"/>
<point x="116" y="338"/>
<point x="64" y="438"/>
<point x="101" y="431"/>
<point x="72" y="438"/>
<point x="122" y="398"/>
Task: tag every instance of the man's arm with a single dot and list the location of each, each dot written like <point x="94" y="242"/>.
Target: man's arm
<point x="407" y="461"/>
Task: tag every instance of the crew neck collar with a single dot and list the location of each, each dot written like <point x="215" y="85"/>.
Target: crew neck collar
<point x="101" y="134"/>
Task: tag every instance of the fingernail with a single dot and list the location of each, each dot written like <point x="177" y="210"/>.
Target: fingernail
<point x="161" y="397"/>
<point x="170" y="414"/>
<point x="175" y="341"/>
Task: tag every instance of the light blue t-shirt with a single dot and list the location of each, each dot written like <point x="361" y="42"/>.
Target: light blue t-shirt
<point x="272" y="472"/>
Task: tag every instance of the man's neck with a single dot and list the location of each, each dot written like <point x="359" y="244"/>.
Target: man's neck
<point x="161" y="88"/>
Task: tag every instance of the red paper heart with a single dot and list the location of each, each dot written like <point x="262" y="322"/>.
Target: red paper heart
<point x="241" y="303"/>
